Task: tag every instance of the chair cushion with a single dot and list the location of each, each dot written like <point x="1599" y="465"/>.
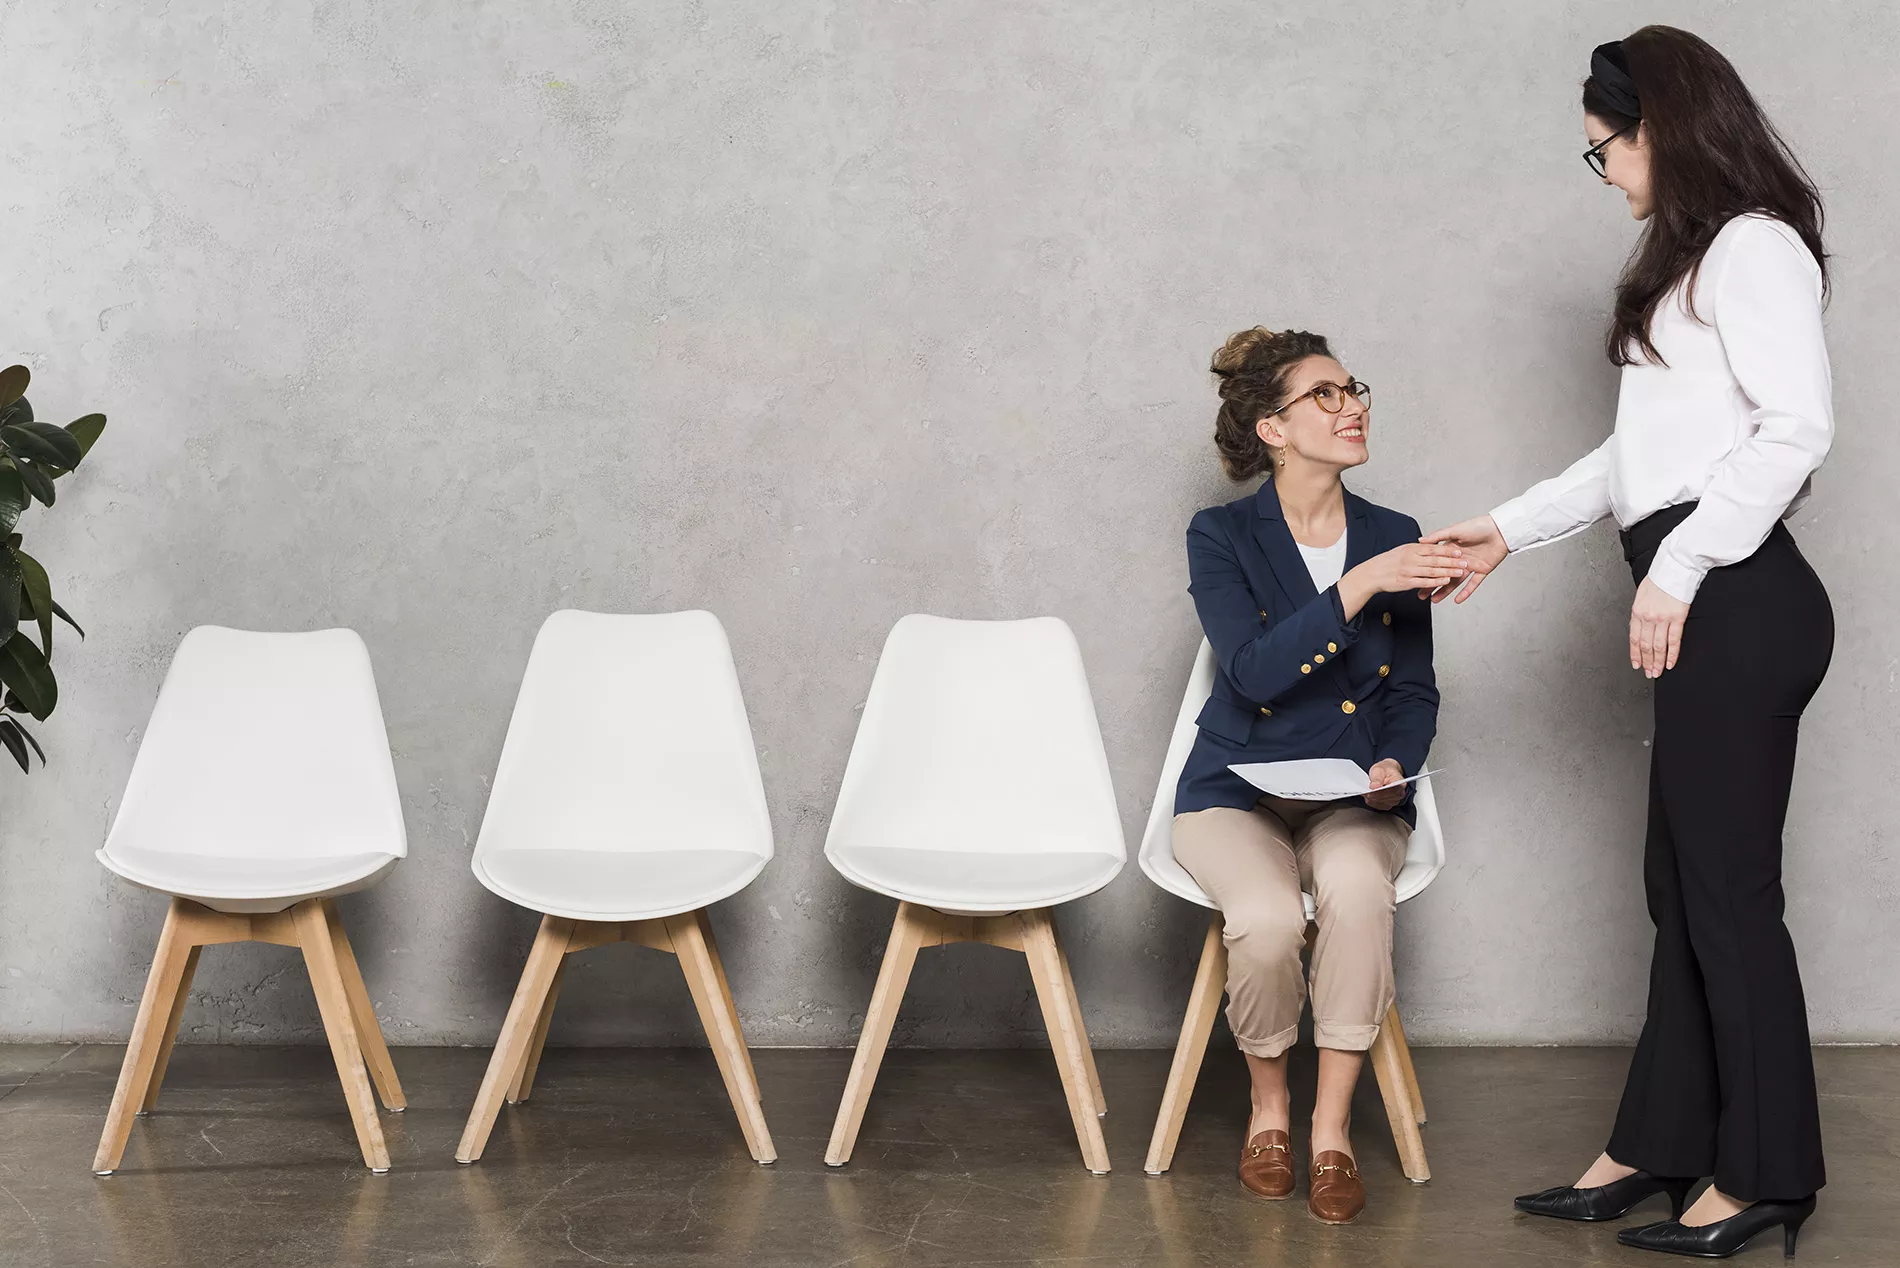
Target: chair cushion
<point x="229" y="883"/>
<point x="616" y="885"/>
<point x="967" y="880"/>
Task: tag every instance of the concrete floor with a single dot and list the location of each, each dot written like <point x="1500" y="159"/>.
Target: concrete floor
<point x="632" y="1157"/>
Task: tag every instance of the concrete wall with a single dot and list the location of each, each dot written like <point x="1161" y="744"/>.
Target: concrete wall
<point x="430" y="319"/>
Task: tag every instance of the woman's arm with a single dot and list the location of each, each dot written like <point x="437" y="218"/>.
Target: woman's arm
<point x="1266" y="661"/>
<point x="1263" y="660"/>
<point x="1544" y="513"/>
<point x="1768" y="314"/>
<point x="1560" y="506"/>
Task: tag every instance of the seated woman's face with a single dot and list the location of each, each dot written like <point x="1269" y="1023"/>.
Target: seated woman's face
<point x="1306" y="425"/>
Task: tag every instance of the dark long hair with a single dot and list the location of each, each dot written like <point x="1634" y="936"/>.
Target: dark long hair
<point x="1713" y="155"/>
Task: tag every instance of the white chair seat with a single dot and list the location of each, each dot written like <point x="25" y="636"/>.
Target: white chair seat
<point x="975" y="881"/>
<point x="1424" y="853"/>
<point x="617" y="885"/>
<point x="257" y="884"/>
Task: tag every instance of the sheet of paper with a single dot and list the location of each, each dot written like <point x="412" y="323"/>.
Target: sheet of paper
<point x="1313" y="778"/>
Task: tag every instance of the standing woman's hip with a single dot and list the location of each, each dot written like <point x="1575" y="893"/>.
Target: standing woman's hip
<point x="1764" y="625"/>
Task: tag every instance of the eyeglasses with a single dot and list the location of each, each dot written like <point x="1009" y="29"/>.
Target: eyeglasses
<point x="1331" y="397"/>
<point x="1594" y="155"/>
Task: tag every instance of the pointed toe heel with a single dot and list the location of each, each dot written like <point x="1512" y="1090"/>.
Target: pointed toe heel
<point x="1610" y="1201"/>
<point x="1724" y="1237"/>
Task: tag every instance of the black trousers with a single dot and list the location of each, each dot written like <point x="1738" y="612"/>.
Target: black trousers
<point x="1722" y="1082"/>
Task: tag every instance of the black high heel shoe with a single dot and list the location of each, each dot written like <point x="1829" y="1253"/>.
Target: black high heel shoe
<point x="1606" y="1201"/>
<point x="1724" y="1237"/>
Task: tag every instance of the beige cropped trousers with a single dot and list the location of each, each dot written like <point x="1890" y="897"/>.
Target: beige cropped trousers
<point x="1253" y="864"/>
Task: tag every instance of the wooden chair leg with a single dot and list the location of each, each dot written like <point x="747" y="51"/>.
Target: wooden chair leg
<point x="333" y="1003"/>
<point x="511" y="1048"/>
<point x="1210" y="980"/>
<point x="1411" y="1072"/>
<point x="170" y="1038"/>
<point x="693" y="944"/>
<point x="369" y="1031"/>
<point x="1388" y="1063"/>
<point x="1054" y="990"/>
<point x="162" y="988"/>
<point x="1099" y="1101"/>
<point x="523" y="1085"/>
<point x="900" y="955"/>
<point x="719" y="967"/>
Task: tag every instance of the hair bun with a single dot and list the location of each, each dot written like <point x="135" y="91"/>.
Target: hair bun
<point x="1233" y="356"/>
<point x="1253" y="367"/>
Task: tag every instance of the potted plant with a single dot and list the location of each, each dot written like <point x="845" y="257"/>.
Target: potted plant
<point x="32" y="456"/>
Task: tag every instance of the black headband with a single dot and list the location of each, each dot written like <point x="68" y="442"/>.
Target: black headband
<point x="1611" y="70"/>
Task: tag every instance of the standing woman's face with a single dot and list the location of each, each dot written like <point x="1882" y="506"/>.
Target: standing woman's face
<point x="1625" y="162"/>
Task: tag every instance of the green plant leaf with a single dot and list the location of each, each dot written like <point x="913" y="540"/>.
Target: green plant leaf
<point x="13" y="499"/>
<point x="28" y="737"/>
<point x="37" y="482"/>
<point x="14" y="741"/>
<point x="10" y="593"/>
<point x="66" y="616"/>
<point x="13" y="381"/>
<point x="23" y="668"/>
<point x="43" y="442"/>
<point x="39" y="593"/>
<point x="20" y="411"/>
<point x="86" y="431"/>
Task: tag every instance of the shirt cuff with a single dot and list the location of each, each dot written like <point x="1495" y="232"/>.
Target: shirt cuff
<point x="1674" y="578"/>
<point x="1514" y="523"/>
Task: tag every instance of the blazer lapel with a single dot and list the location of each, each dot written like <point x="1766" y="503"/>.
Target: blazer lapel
<point x="1276" y="542"/>
<point x="1362" y="543"/>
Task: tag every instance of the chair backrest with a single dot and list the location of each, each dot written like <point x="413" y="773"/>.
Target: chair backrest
<point x="1424" y="854"/>
<point x="629" y="734"/>
<point x="264" y="746"/>
<point x="979" y="736"/>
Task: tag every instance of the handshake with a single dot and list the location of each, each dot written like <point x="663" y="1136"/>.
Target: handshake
<point x="1434" y="566"/>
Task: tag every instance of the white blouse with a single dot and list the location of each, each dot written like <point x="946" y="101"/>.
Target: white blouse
<point x="1325" y="564"/>
<point x="1740" y="417"/>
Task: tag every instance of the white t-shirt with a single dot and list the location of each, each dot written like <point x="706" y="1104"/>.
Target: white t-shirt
<point x="1327" y="564"/>
<point x="1740" y="417"/>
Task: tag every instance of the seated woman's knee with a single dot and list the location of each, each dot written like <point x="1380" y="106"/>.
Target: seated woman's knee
<point x="1264" y="933"/>
<point x="1354" y="889"/>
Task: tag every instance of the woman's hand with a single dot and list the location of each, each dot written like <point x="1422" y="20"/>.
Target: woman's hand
<point x="1484" y="550"/>
<point x="1414" y="566"/>
<point x="1381" y="797"/>
<point x="1655" y="629"/>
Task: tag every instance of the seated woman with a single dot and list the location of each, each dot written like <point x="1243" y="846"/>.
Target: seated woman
<point x="1311" y="599"/>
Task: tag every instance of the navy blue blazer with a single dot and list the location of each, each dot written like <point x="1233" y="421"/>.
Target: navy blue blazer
<point x="1296" y="678"/>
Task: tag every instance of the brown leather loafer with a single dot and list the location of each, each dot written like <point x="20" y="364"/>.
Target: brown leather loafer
<point x="1337" y="1195"/>
<point x="1266" y="1166"/>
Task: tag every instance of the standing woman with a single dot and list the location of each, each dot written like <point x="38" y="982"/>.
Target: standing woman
<point x="1725" y="412"/>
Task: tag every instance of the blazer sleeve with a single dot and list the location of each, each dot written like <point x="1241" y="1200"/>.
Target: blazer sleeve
<point x="1262" y="658"/>
<point x="1411" y="690"/>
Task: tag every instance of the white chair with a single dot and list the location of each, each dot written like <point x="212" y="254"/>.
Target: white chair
<point x="1391" y="1057"/>
<point x="627" y="800"/>
<point x="978" y="796"/>
<point x="262" y="790"/>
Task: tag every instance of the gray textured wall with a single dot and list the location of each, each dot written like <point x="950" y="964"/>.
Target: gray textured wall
<point x="428" y="319"/>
